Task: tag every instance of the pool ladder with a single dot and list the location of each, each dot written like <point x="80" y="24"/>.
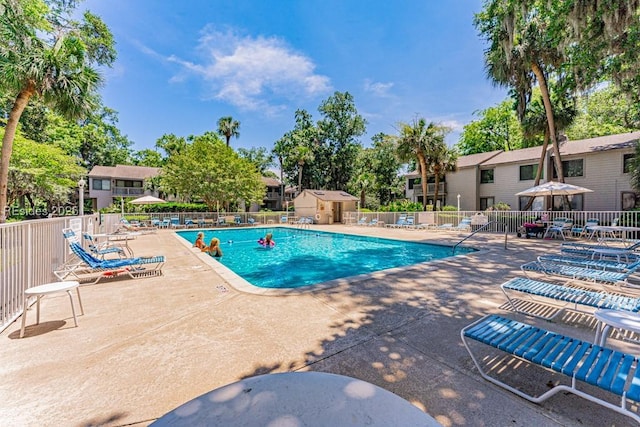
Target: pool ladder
<point x="506" y="233"/>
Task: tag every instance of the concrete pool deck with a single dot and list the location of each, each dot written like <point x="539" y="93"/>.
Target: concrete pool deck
<point x="146" y="346"/>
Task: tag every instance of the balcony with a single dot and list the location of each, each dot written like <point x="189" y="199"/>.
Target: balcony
<point x="127" y="191"/>
<point x="431" y="189"/>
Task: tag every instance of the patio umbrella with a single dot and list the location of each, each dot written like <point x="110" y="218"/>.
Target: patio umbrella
<point x="146" y="200"/>
<point x="553" y="188"/>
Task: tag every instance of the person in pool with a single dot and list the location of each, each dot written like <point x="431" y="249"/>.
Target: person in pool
<point x="214" y="248"/>
<point x="199" y="243"/>
<point x="267" y="241"/>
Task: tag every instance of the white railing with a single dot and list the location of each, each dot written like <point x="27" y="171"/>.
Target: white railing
<point x="29" y="252"/>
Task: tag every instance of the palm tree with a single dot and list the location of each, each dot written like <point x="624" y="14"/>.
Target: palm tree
<point x="415" y="142"/>
<point x="534" y="123"/>
<point x="302" y="154"/>
<point x="39" y="57"/>
<point x="442" y="159"/>
<point x="520" y="53"/>
<point x="228" y="127"/>
<point x="280" y="150"/>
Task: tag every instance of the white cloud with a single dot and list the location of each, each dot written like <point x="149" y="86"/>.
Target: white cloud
<point x="378" y="88"/>
<point x="252" y="73"/>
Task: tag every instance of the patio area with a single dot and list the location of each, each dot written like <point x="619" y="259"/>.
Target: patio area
<point x="146" y="346"/>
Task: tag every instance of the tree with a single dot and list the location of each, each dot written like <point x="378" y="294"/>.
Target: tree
<point x="497" y="128"/>
<point x="41" y="173"/>
<point x="46" y="54"/>
<point x="523" y="50"/>
<point x="606" y="111"/>
<point x="148" y="157"/>
<point x="441" y="158"/>
<point x="363" y="180"/>
<point x="228" y="127"/>
<point x="213" y="172"/>
<point x="421" y="142"/>
<point x="171" y="144"/>
<point x="298" y="148"/>
<point x="280" y="151"/>
<point x="338" y="131"/>
<point x="385" y="167"/>
<point x="258" y="156"/>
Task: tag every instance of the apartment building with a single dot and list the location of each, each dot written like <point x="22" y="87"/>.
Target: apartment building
<point x="481" y="180"/>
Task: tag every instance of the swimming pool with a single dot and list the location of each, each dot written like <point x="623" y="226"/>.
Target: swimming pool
<point x="306" y="257"/>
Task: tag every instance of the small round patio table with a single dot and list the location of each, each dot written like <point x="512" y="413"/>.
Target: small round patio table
<point x="48" y="289"/>
<point x="298" y="399"/>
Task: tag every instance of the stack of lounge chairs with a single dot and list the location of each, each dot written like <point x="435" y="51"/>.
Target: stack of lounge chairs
<point x="583" y="279"/>
<point x="87" y="268"/>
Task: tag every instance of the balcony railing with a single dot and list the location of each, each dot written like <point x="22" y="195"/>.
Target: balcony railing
<point x="431" y="189"/>
<point x="127" y="191"/>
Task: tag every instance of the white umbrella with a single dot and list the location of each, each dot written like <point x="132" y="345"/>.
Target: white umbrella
<point x="553" y="188"/>
<point x="146" y="200"/>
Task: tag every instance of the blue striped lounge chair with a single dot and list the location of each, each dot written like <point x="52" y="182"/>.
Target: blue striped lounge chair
<point x="582" y="362"/>
<point x="90" y="269"/>
<point x="402" y="220"/>
<point x="563" y="297"/>
<point x="602" y="264"/>
<point x="612" y="277"/>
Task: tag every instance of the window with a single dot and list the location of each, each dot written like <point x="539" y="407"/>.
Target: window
<point x="486" y="176"/>
<point x="414" y="182"/>
<point x="576" y="201"/>
<point x="537" y="205"/>
<point x="528" y="172"/>
<point x="102" y="184"/>
<point x="627" y="163"/>
<point x="121" y="183"/>
<point x="571" y="168"/>
<point x="486" y="202"/>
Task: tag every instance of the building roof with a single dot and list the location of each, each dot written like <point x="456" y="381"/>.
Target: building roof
<point x="270" y="182"/>
<point x="475" y="159"/>
<point x="330" y="196"/>
<point x="602" y="143"/>
<point x="515" y="156"/>
<point x="124" y="171"/>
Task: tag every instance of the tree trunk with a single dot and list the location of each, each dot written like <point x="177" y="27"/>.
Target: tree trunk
<point x="546" y="99"/>
<point x="362" y="198"/>
<point x="7" y="145"/>
<point x="299" y="178"/>
<point x="543" y="154"/>
<point x="423" y="178"/>
<point x="282" y="188"/>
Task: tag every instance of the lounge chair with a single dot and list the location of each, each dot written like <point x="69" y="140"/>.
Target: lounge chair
<point x="90" y="269"/>
<point x="579" y="273"/>
<point x="373" y="223"/>
<point x="362" y="221"/>
<point x="601" y="367"/>
<point x="410" y="222"/>
<point x="585" y="230"/>
<point x="559" y="226"/>
<point x="125" y="225"/>
<point x="402" y="220"/>
<point x="567" y="296"/>
<point x="101" y="250"/>
<point x="188" y="222"/>
<point x="175" y="222"/>
<point x="446" y="226"/>
<point x="463" y="225"/>
<point x="602" y="264"/>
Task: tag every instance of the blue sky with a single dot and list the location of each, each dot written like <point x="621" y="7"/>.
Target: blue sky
<point x="184" y="64"/>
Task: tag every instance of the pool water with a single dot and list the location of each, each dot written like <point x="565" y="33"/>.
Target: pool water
<point x="306" y="257"/>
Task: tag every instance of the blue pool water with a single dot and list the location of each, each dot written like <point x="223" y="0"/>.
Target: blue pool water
<point x="305" y="257"/>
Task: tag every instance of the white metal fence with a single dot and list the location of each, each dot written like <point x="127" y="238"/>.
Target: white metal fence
<point x="31" y="250"/>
